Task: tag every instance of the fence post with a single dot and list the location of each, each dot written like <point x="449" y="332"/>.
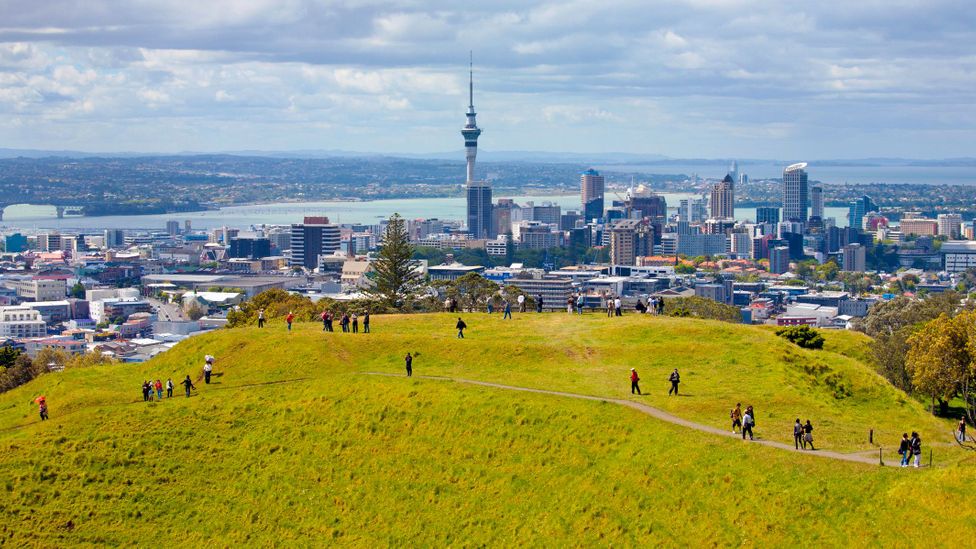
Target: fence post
<point x="880" y="458"/>
<point x="871" y="436"/>
<point x="930" y="457"/>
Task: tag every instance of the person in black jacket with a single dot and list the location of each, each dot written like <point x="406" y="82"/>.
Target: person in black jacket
<point x="460" y="328"/>
<point x="916" y="448"/>
<point x="409" y="361"/>
<point x="798" y="434"/>
<point x="808" y="435"/>
<point x="904" y="449"/>
<point x="675" y="379"/>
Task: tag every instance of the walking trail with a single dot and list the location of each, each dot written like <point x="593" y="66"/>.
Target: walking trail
<point x="663" y="416"/>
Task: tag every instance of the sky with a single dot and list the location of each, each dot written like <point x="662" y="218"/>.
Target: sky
<point x="683" y="78"/>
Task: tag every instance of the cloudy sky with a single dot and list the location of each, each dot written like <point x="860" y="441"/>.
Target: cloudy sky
<point x="684" y="78"/>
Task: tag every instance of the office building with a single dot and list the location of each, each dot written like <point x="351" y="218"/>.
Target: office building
<point x="547" y="213"/>
<point x="779" y="259"/>
<point x="723" y="199"/>
<point x="693" y="245"/>
<point x="479" y="218"/>
<point x="591" y="191"/>
<point x="919" y="227"/>
<point x="630" y="239"/>
<point x="641" y="202"/>
<point x="15" y="243"/>
<point x="795" y="193"/>
<point x="533" y="235"/>
<point x="767" y="214"/>
<point x="42" y="289"/>
<point x="853" y="257"/>
<point x="315" y="237"/>
<point x="816" y="202"/>
<point x="950" y="225"/>
<point x="114" y="238"/>
<point x="49" y="242"/>
<point x="172" y="228"/>
<point x="857" y="210"/>
<point x="250" y="248"/>
<point x="21" y="321"/>
<point x="503" y="214"/>
<point x="568" y="220"/>
<point x="692" y="210"/>
<point x="958" y="256"/>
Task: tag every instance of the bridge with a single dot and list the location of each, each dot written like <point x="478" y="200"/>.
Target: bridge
<point x="61" y="209"/>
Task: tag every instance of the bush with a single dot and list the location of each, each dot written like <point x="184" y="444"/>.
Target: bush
<point x="699" y="307"/>
<point x="804" y="336"/>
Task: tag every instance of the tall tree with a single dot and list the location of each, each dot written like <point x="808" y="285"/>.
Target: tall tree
<point x="939" y="357"/>
<point x="395" y="278"/>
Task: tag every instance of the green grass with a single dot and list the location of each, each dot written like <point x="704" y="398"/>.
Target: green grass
<point x="336" y="456"/>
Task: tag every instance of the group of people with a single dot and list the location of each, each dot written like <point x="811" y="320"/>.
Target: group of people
<point x="674" y="379"/>
<point x="745" y="421"/>
<point x="910" y="449"/>
<point x="803" y="434"/>
<point x="348" y="323"/>
<point x="654" y="305"/>
<point x="154" y="390"/>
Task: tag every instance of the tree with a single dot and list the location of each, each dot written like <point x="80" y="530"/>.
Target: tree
<point x="804" y="336"/>
<point x="395" y="277"/>
<point x="940" y="359"/>
<point x="699" y="307"/>
<point x="195" y="311"/>
<point x="78" y="291"/>
<point x="471" y="291"/>
<point x="685" y="268"/>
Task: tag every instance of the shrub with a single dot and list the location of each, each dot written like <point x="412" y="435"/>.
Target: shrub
<point x="804" y="336"/>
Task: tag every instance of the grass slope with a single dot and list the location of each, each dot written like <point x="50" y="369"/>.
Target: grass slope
<point x="337" y="456"/>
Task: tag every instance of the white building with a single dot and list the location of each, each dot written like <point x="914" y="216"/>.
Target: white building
<point x="950" y="225"/>
<point x="41" y="289"/>
<point x="21" y="322"/>
<point x="958" y="255"/>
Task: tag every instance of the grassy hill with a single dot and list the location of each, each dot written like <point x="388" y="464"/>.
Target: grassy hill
<point x="292" y="444"/>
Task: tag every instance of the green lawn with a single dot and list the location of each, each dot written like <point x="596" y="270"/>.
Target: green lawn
<point x="333" y="455"/>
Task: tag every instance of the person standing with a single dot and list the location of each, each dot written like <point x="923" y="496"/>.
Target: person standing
<point x="289" y="319"/>
<point x="159" y="389"/>
<point x="747" y="423"/>
<point x="366" y="322"/>
<point x="798" y="434"/>
<point x="618" y="306"/>
<point x="905" y="449"/>
<point x="409" y="361"/>
<point x="329" y="317"/>
<point x="962" y="429"/>
<point x="145" y="391"/>
<point x="538" y="304"/>
<point x="325" y="318"/>
<point x="187" y="384"/>
<point x="579" y="304"/>
<point x="169" y="388"/>
<point x="491" y="306"/>
<point x="808" y="435"/>
<point x="508" y="310"/>
<point x="43" y="409"/>
<point x="344" y="322"/>
<point x="260" y="318"/>
<point x="521" y="303"/>
<point x="355" y="323"/>
<point x="736" y="415"/>
<point x="660" y="306"/>
<point x="207" y="368"/>
<point x="916" y="445"/>
<point x="675" y="379"/>
<point x="569" y="304"/>
<point x="460" y="328"/>
<point x="634" y="379"/>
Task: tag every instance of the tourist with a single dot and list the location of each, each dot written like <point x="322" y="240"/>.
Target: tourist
<point x="579" y="303"/>
<point x="409" y="360"/>
<point x="149" y="389"/>
<point x="491" y="306"/>
<point x="42" y="408"/>
<point x="904" y="449"/>
<point x="652" y="305"/>
<point x="365" y="322"/>
<point x="747" y="423"/>
<point x="169" y="388"/>
<point x="454" y="304"/>
<point x="752" y="414"/>
<point x="508" y="310"/>
<point x="260" y="318"/>
<point x="521" y="303"/>
<point x="355" y="323"/>
<point x="159" y="389"/>
<point x="916" y="448"/>
<point x="325" y="321"/>
<point x="808" y="435"/>
<point x="344" y="323"/>
<point x="609" y="306"/>
<point x="145" y="391"/>
<point x="569" y="304"/>
<point x="675" y="379"/>
<point x="634" y="378"/>
<point x="962" y="429"/>
<point x="798" y="434"/>
<point x="289" y="319"/>
<point x="187" y="384"/>
<point x="538" y="304"/>
<point x="736" y="416"/>
<point x="329" y="317"/>
<point x="640" y="308"/>
<point x="207" y="368"/>
<point x="660" y="306"/>
<point x="460" y="328"/>
<point x="618" y="306"/>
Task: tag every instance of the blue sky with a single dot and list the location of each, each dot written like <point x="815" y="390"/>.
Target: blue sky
<point x="693" y="78"/>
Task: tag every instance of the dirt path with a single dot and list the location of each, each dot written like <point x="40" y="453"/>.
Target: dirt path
<point x="657" y="413"/>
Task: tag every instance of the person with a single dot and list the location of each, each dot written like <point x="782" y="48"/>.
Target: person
<point x="149" y="389"/>
<point x="538" y="304"/>
<point x="42" y="405"/>
<point x="453" y="304"/>
<point x="660" y="306"/>
<point x="675" y="379"/>
<point x="618" y="306"/>
<point x="508" y="310"/>
<point x="916" y="446"/>
<point x="904" y="449"/>
<point x="798" y="434"/>
<point x="609" y="306"/>
<point x="409" y="360"/>
<point x="325" y="321"/>
<point x="491" y="306"/>
<point x="355" y="323"/>
<point x="344" y="322"/>
<point x="187" y="384"/>
<point x="460" y="328"/>
<point x="169" y="388"/>
<point x="962" y="429"/>
<point x="329" y="317"/>
<point x="569" y="304"/>
<point x="752" y="414"/>
<point x="640" y="308"/>
<point x="260" y="318"/>
<point x="579" y="304"/>
<point x="366" y="322"/>
<point x="652" y="305"/>
<point x="634" y="378"/>
<point x="207" y="368"/>
<point x="736" y="415"/>
<point x="747" y="423"/>
<point x="159" y="389"/>
<point x="521" y="303"/>
<point x="808" y="435"/>
<point x="289" y="319"/>
<point x="145" y="391"/>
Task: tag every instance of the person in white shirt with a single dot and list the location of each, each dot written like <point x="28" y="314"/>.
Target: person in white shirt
<point x="207" y="368"/>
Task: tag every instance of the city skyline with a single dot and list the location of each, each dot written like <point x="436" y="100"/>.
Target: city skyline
<point x="894" y="80"/>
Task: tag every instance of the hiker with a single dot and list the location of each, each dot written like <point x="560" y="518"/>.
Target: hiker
<point x="187" y="384"/>
<point x="149" y="389"/>
<point x="355" y="323"/>
<point x="508" y="310"/>
<point x="521" y="303"/>
<point x="454" y="304"/>
<point x="289" y="319"/>
<point x="675" y="379"/>
<point x="736" y="415"/>
<point x="916" y="449"/>
<point x="207" y="368"/>
<point x="159" y="389"/>
<point x="579" y="304"/>
<point x="904" y="448"/>
<point x="798" y="434"/>
<point x="169" y="388"/>
<point x="618" y="306"/>
<point x="145" y="391"/>
<point x="42" y="408"/>
<point x="747" y="423"/>
<point x="460" y="328"/>
<point x="409" y="360"/>
<point x="366" y="322"/>
<point x="962" y="429"/>
<point x="634" y="378"/>
<point x="260" y="318"/>
<point x="538" y="304"/>
<point x="808" y="435"/>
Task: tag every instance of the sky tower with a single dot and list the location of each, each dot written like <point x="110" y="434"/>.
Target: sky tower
<point x="480" y="224"/>
<point x="471" y="131"/>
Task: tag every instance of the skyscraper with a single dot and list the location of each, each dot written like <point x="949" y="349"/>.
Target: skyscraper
<point x="723" y="199"/>
<point x="795" y="193"/>
<point x="172" y="228"/>
<point x="478" y="192"/>
<point x="315" y="237"/>
<point x="767" y="214"/>
<point x="630" y="239"/>
<point x="857" y="209"/>
<point x="816" y="201"/>
<point x="734" y="171"/>
<point x="591" y="191"/>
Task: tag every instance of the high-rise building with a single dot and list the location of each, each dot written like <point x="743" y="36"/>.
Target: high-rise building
<point x="478" y="192"/>
<point x="779" y="259"/>
<point x="15" y="243"/>
<point x="919" y="226"/>
<point x="816" y="202"/>
<point x="950" y="225"/>
<point x="251" y="248"/>
<point x="315" y="237"/>
<point x="114" y="238"/>
<point x="630" y="239"/>
<point x="642" y="202"/>
<point x="767" y="214"/>
<point x="734" y="171"/>
<point x="172" y="227"/>
<point x="187" y="226"/>
<point x="591" y="191"/>
<point x="854" y="257"/>
<point x="857" y="209"/>
<point x="795" y="193"/>
<point x="723" y="199"/>
<point x="692" y="210"/>
<point x="502" y="215"/>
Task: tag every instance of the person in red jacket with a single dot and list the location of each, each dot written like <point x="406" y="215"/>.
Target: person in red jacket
<point x="634" y="378"/>
<point x="289" y="319"/>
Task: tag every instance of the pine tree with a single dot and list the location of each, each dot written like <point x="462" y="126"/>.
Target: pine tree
<point x="395" y="278"/>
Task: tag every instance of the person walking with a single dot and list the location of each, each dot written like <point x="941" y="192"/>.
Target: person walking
<point x="736" y="416"/>
<point x="962" y="429"/>
<point x="169" y="388"/>
<point x="409" y="361"/>
<point x="675" y="379"/>
<point x="752" y="414"/>
<point x="747" y="423"/>
<point x="289" y="319"/>
<point x="508" y="310"/>
<point x="355" y="323"/>
<point x="904" y="449"/>
<point x="916" y="445"/>
<point x="521" y="303"/>
<point x="152" y="394"/>
<point x="798" y="434"/>
<point x="260" y="318"/>
<point x="808" y="435"/>
<point x="187" y="384"/>
<point x="618" y="306"/>
<point x="579" y="304"/>
<point x="634" y="379"/>
<point x="42" y="407"/>
<point x="145" y="391"/>
<point x="207" y="368"/>
<point x="460" y="328"/>
<point x="365" y="322"/>
<point x="538" y="304"/>
<point x="159" y="389"/>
